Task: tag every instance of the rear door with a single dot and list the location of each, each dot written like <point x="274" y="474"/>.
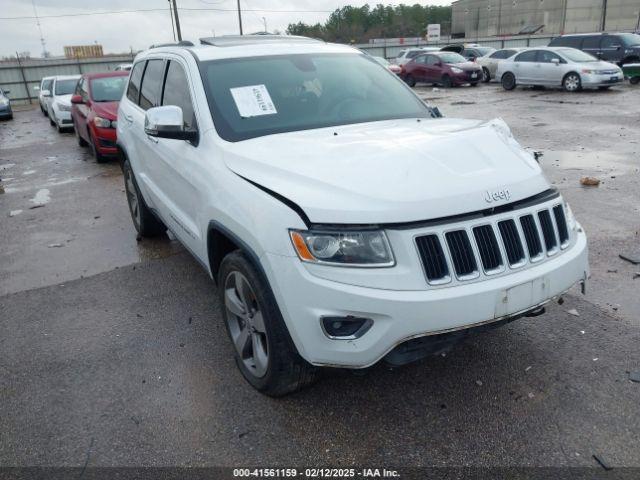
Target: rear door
<point x="591" y="44"/>
<point x="611" y="49"/>
<point x="419" y="70"/>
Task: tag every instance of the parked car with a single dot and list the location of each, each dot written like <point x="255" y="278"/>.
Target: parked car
<point x="444" y="68"/>
<point x="470" y="51"/>
<point x="94" y="111"/>
<point x="569" y="68"/>
<point x="489" y="63"/>
<point x="407" y="55"/>
<point x="620" y="48"/>
<point x="5" y="105"/>
<point x="343" y="221"/>
<point x="59" y="101"/>
<point x="124" y="67"/>
<point x="45" y="87"/>
<point x="392" y="67"/>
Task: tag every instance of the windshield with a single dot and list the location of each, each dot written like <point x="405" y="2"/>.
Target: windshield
<point x="577" y="55"/>
<point x="252" y="97"/>
<point x="66" y="87"/>
<point x="108" y="89"/>
<point x="451" y="57"/>
<point x="483" y="51"/>
<point x="630" y="39"/>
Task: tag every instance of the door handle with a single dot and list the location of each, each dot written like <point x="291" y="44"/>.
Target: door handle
<point x="128" y="118"/>
<point x="153" y="139"/>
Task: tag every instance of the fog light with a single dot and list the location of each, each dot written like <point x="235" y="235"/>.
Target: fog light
<point x="345" y="328"/>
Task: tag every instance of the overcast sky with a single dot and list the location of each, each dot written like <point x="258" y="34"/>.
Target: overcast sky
<point x="137" y="30"/>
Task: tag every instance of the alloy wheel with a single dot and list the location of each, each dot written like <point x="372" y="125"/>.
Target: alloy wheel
<point x="246" y="323"/>
<point x="572" y="82"/>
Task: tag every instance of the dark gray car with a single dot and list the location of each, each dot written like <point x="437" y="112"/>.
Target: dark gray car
<point x="5" y="105"/>
<point x="620" y="48"/>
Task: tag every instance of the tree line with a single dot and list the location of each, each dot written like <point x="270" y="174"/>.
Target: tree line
<point x="359" y="24"/>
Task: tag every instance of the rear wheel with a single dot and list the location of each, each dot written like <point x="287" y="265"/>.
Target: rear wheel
<point x="474" y="84"/>
<point x="446" y="81"/>
<point x="263" y="349"/>
<point x="410" y="80"/>
<point x="145" y="222"/>
<point x="51" y="120"/>
<point x="572" y="82"/>
<point x="508" y="81"/>
<point x="486" y="75"/>
<point x="634" y="80"/>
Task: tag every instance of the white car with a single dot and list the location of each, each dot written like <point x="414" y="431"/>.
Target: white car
<point x="405" y="56"/>
<point x="44" y="88"/>
<point x="343" y="221"/>
<point x="124" y="66"/>
<point x="569" y="68"/>
<point x="59" y="101"/>
<point x="489" y="62"/>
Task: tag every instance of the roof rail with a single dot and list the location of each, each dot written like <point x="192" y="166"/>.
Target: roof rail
<point x="238" y="40"/>
<point x="182" y="43"/>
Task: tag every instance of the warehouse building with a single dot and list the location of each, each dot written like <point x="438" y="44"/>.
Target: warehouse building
<point x="487" y="18"/>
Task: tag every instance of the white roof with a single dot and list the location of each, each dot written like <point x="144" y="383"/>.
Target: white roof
<point x="66" y="77"/>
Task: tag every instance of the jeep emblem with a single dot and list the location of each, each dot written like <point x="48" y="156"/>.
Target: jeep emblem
<point x="497" y="195"/>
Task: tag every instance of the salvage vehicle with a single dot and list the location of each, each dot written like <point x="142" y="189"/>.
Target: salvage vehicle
<point x="489" y="63"/>
<point x="58" y="101"/>
<point x="344" y="221"/>
<point x="5" y="105"/>
<point x="620" y="48"/>
<point x="94" y="111"/>
<point x="568" y="68"/>
<point x="443" y="68"/>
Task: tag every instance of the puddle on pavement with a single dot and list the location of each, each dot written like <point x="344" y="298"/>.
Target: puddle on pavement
<point x="604" y="162"/>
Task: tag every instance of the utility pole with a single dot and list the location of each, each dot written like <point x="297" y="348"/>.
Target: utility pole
<point x="173" y="28"/>
<point x="175" y="14"/>
<point x="604" y="16"/>
<point x="239" y="17"/>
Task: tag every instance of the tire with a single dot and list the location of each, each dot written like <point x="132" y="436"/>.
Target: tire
<point x="81" y="141"/>
<point x="145" y="222"/>
<point x="508" y="81"/>
<point x="51" y="121"/>
<point x="446" y="81"/>
<point x="486" y="75"/>
<point x="410" y="81"/>
<point x="604" y="88"/>
<point x="94" y="150"/>
<point x="474" y="84"/>
<point x="263" y="349"/>
<point x="634" y="80"/>
<point x="571" y="82"/>
<point x="43" y="110"/>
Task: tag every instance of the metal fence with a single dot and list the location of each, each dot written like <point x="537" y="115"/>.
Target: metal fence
<point x="391" y="49"/>
<point x="21" y="77"/>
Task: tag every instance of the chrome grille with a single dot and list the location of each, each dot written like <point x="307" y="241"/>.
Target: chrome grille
<point x="512" y="239"/>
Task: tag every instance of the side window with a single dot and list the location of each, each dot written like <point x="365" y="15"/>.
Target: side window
<point x="591" y="43"/>
<point x="133" y="90"/>
<point x="413" y="53"/>
<point x="176" y="92"/>
<point x="432" y="60"/>
<point x="528" y="56"/>
<point x="500" y="54"/>
<point x="422" y="59"/>
<point x="151" y="83"/>
<point x="611" y="42"/>
<point x="400" y="54"/>
<point x="84" y="91"/>
<point x="545" y="56"/>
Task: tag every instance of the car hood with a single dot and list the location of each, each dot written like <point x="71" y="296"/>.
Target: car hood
<point x="391" y="171"/>
<point x="600" y="65"/>
<point x="108" y="110"/>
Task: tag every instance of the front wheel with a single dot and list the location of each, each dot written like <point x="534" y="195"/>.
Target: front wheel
<point x="486" y="75"/>
<point x="410" y="81"/>
<point x="508" y="81"/>
<point x="446" y="81"/>
<point x="634" y="80"/>
<point x="572" y="82"/>
<point x="145" y="222"/>
<point x="263" y="349"/>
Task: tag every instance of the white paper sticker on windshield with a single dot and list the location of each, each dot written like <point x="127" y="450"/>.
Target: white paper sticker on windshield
<point x="253" y="101"/>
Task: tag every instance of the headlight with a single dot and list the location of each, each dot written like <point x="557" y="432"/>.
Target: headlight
<point x="64" y="108"/>
<point x="456" y="70"/>
<point x="101" y="122"/>
<point x="4" y="101"/>
<point x="571" y="220"/>
<point x="368" y="248"/>
<point x="588" y="71"/>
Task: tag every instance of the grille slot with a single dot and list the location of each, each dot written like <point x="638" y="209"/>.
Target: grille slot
<point x="531" y="235"/>
<point x="561" y="223"/>
<point x="433" y="259"/>
<point x="550" y="241"/>
<point x="488" y="247"/>
<point x="511" y="240"/>
<point x="464" y="261"/>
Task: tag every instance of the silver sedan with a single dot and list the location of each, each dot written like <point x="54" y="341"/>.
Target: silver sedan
<point x="564" y="67"/>
<point x="490" y="62"/>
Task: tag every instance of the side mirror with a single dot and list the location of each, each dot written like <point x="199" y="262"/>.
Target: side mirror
<point x="77" y="99"/>
<point x="555" y="61"/>
<point x="46" y="93"/>
<point x="167" y="122"/>
<point x="7" y="92"/>
<point x="36" y="88"/>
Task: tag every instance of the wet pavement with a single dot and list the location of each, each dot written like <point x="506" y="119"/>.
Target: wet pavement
<point x="113" y="352"/>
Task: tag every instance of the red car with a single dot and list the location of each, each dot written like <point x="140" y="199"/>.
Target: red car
<point x="94" y="111"/>
<point x="444" y="68"/>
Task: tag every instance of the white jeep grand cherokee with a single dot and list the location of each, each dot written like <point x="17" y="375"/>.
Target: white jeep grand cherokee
<point x="343" y="221"/>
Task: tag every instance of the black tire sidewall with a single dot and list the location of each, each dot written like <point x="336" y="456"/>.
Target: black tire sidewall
<point x="508" y="81"/>
<point x="446" y="81"/>
<point x="410" y="80"/>
<point x="149" y="225"/>
<point x="486" y="76"/>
